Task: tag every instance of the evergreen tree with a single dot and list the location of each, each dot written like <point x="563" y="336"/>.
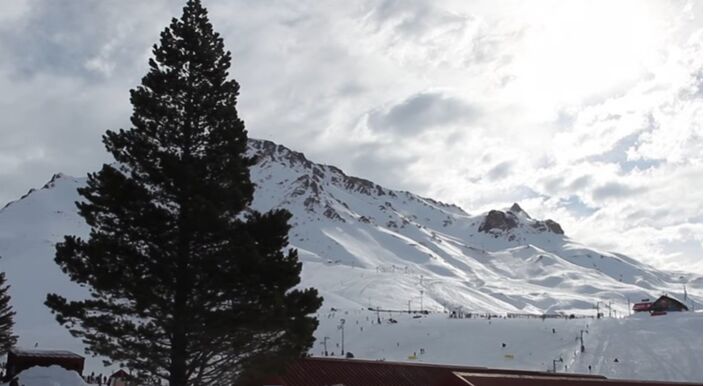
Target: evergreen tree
<point x="187" y="284"/>
<point x="7" y="340"/>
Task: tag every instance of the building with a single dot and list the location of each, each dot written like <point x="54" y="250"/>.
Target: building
<point x="642" y="307"/>
<point x="19" y="360"/>
<point x="660" y="306"/>
<point x="119" y="378"/>
<point x="666" y="304"/>
<point x="355" y="372"/>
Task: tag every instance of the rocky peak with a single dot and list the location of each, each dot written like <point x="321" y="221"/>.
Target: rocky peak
<point x="516" y="209"/>
<point x="554" y="227"/>
<point x="53" y="180"/>
<point x="497" y="219"/>
<point x="265" y="151"/>
<point x="516" y="217"/>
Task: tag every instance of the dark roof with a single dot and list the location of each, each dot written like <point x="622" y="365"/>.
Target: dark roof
<point x="670" y="298"/>
<point x="44" y="353"/>
<point x="119" y="374"/>
<point x="484" y="379"/>
<point x="355" y="372"/>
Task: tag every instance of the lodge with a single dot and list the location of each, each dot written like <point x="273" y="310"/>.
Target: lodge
<point x="662" y="305"/>
<point x="19" y="360"/>
<point x="355" y="372"/>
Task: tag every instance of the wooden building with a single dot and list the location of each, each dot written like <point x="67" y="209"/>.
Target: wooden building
<point x="119" y="378"/>
<point x="19" y="360"/>
<point x="667" y="304"/>
<point x="660" y="306"/>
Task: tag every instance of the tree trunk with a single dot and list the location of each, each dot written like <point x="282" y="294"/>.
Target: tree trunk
<point x="179" y="341"/>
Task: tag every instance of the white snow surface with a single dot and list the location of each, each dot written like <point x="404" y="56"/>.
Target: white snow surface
<point x="362" y="246"/>
<point x="50" y="376"/>
<point x="667" y="348"/>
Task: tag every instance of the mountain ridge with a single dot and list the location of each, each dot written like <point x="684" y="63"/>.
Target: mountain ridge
<point x="366" y="245"/>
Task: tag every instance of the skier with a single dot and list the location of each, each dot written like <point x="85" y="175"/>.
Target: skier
<point x="590" y="369"/>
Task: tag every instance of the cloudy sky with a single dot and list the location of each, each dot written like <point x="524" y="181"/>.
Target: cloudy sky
<point x="588" y="112"/>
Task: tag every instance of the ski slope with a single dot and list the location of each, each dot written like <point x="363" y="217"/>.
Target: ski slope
<point x="665" y="347"/>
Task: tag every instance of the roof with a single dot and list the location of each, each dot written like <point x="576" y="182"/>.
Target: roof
<point x="44" y="353"/>
<point x="663" y="297"/>
<point x="669" y="297"/>
<point x="355" y="372"/>
<point x="119" y="374"/>
<point x="484" y="379"/>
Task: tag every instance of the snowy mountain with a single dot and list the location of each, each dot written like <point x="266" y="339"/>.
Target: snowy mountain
<point x="362" y="246"/>
<point x="368" y="245"/>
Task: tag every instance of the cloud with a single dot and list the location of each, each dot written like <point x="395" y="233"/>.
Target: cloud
<point x="614" y="190"/>
<point x="444" y="98"/>
<point x="500" y="170"/>
<point x="580" y="183"/>
<point x="437" y="36"/>
<point x="69" y="38"/>
<point x="381" y="162"/>
<point x="423" y="111"/>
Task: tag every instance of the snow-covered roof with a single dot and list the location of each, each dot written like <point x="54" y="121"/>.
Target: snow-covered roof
<point x="44" y="353"/>
<point x="50" y="376"/>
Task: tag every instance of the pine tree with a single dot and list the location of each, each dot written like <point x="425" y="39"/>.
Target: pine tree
<point x="7" y="340"/>
<point x="187" y="283"/>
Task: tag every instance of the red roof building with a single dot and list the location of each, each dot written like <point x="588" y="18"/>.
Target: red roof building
<point x="354" y="372"/>
<point x="642" y="307"/>
<point x="661" y="306"/>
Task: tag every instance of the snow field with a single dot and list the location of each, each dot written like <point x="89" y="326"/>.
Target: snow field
<point x="49" y="376"/>
<point x="649" y="348"/>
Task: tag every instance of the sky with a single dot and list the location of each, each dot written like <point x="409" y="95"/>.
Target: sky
<point x="588" y="112"/>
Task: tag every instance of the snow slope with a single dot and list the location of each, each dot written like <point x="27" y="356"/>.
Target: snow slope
<point x="362" y="245"/>
<point x="49" y="376"/>
<point x="369" y="245"/>
<point x="654" y="348"/>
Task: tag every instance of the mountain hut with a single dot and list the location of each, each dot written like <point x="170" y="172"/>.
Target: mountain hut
<point x="19" y="360"/>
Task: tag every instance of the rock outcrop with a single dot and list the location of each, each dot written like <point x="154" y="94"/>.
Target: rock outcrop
<point x="497" y="219"/>
<point x="516" y="217"/>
